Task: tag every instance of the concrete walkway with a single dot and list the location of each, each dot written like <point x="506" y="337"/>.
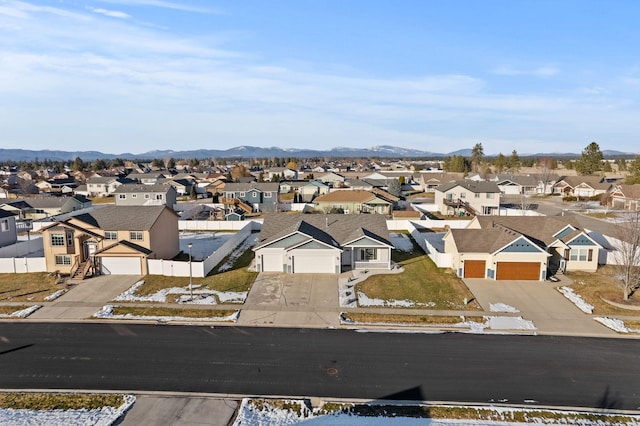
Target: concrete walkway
<point x="180" y="410"/>
<point x="540" y="302"/>
<point x="84" y="299"/>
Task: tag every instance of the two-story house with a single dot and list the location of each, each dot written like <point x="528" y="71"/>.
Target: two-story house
<point x="111" y="240"/>
<point x="104" y="186"/>
<point x="468" y="197"/>
<point x="136" y="194"/>
<point x="261" y="196"/>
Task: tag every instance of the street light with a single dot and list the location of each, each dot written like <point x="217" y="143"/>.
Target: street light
<point x="190" y="274"/>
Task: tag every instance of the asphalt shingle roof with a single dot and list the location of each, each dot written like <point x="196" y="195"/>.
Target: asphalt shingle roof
<point x="133" y="218"/>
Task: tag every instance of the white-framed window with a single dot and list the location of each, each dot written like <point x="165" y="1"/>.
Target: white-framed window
<point x="368" y="254"/>
<point x="159" y="197"/>
<point x="110" y="235"/>
<point x="241" y="194"/>
<point x="122" y="196"/>
<point x="134" y="195"/>
<point x="63" y="260"/>
<point x="267" y="195"/>
<point x="463" y="195"/>
<point x="57" y="239"/>
<point x="4" y="225"/>
<point x="580" y="254"/>
<point x="147" y="196"/>
<point x="135" y="235"/>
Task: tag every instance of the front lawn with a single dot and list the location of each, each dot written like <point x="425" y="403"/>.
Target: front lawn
<point x="422" y="282"/>
<point x="593" y="287"/>
<point x="32" y="287"/>
<point x="154" y="311"/>
<point x="372" y="318"/>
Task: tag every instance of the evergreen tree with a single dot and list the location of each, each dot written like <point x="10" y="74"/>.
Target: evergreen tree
<point x="634" y="172"/>
<point x="477" y="155"/>
<point x="591" y="160"/>
<point x="500" y="163"/>
<point x="514" y="161"/>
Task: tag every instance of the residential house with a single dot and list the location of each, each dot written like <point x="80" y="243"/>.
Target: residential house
<point x="353" y="201"/>
<point x="582" y="186"/>
<point x="137" y="194"/>
<point x="104" y="186"/>
<point x="468" y="197"/>
<point x="516" y="184"/>
<point x="625" y="197"/>
<point x="358" y="184"/>
<point x="275" y="174"/>
<point x="111" y="240"/>
<point x="331" y="178"/>
<point x="261" y="196"/>
<point x="521" y="247"/>
<point x="8" y="229"/>
<point x="429" y="181"/>
<point x="149" y="178"/>
<point x="34" y="208"/>
<point x="318" y="243"/>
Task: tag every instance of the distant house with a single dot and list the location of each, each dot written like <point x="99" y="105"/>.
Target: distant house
<point x="34" y="208"/>
<point x="521" y="247"/>
<point x="331" y="178"/>
<point x="517" y="184"/>
<point x="582" y="186"/>
<point x="475" y="198"/>
<point x="280" y="173"/>
<point x="136" y="194"/>
<point x="317" y="243"/>
<point x="8" y="230"/>
<point x="104" y="186"/>
<point x="262" y="197"/>
<point x="111" y="240"/>
<point x="148" y="178"/>
<point x="625" y="197"/>
<point x="353" y="201"/>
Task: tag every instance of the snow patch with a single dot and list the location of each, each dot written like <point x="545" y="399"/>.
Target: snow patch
<point x="107" y="313"/>
<point x="576" y="299"/>
<point x="201" y="296"/>
<point x="55" y="295"/>
<point x="104" y="416"/>
<point x="23" y="313"/>
<point x="249" y="242"/>
<point x="616" y="325"/>
<point x="502" y="307"/>
<point x="364" y="300"/>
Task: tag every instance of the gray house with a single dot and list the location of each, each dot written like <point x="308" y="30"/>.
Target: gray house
<point x="262" y="197"/>
<point x="8" y="231"/>
<point x="136" y="194"/>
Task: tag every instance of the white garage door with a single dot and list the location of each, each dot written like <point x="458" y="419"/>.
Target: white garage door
<point x="314" y="264"/>
<point x="121" y="266"/>
<point x="272" y="262"/>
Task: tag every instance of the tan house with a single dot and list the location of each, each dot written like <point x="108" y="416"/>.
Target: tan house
<point x="468" y="197"/>
<point x="521" y="248"/>
<point x="581" y="186"/>
<point x="625" y="197"/>
<point x="353" y="201"/>
<point x="111" y="240"/>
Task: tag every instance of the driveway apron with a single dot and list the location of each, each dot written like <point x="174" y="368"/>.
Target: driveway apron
<point x="539" y="302"/>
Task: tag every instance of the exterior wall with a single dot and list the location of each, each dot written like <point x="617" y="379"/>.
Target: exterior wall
<point x="71" y="248"/>
<point x="146" y="198"/>
<point x="521" y="257"/>
<point x="8" y="231"/>
<point x="163" y="237"/>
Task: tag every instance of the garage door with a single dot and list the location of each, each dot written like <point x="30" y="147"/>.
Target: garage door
<point x="272" y="262"/>
<point x="518" y="271"/>
<point x="120" y="266"/>
<point x="474" y="268"/>
<point x="314" y="264"/>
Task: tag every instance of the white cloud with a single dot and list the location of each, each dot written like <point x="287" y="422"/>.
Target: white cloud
<point x="544" y="71"/>
<point x="163" y="5"/>
<point x="111" y="13"/>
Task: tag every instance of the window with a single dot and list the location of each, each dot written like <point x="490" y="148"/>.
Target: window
<point x="490" y="194"/>
<point x="4" y="225"/>
<point x="122" y="196"/>
<point x="110" y="235"/>
<point x="159" y="197"/>
<point x="267" y="195"/>
<point x="368" y="254"/>
<point x="57" y="239"/>
<point x="135" y="235"/>
<point x="146" y="196"/>
<point x="69" y="238"/>
<point x="242" y="194"/>
<point x="579" y="255"/>
<point x="476" y="195"/>
<point x="63" y="260"/>
<point x="134" y="195"/>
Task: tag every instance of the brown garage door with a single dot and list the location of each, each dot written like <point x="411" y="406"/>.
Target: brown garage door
<point x="518" y="271"/>
<point x="474" y="268"/>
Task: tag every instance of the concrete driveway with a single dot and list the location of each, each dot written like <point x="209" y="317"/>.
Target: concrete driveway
<point x="539" y="302"/>
<point x="292" y="300"/>
<point x="84" y="299"/>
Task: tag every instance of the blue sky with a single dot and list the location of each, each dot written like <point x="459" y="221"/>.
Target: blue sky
<point x="139" y="75"/>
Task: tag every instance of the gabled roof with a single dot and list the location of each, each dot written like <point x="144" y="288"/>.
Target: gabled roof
<point x="347" y="196"/>
<point x="133" y="218"/>
<point x="475" y="187"/>
<point x="246" y="187"/>
<point x="4" y="213"/>
<point x="483" y="240"/>
<point x="128" y="244"/>
<point x="339" y="228"/>
<point x="628" y="191"/>
<point x="595" y="182"/>
<point x="138" y="188"/>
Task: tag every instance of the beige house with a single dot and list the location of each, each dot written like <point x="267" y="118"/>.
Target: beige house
<point x="111" y="240"/>
<point x="353" y="201"/>
<point x="625" y="197"/>
<point x="468" y="197"/>
<point x="521" y="248"/>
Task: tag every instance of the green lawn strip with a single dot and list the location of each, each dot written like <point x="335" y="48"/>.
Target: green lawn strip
<point x="236" y="279"/>
<point x="372" y="318"/>
<point x="153" y="311"/>
<point x="58" y="401"/>
<point x="31" y="287"/>
<point x="593" y="287"/>
<point x="9" y="309"/>
<point x="421" y="282"/>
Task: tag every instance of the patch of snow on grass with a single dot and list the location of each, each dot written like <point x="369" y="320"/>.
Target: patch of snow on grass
<point x="23" y="313"/>
<point x="576" y="299"/>
<point x="502" y="307"/>
<point x="203" y="243"/>
<point x="615" y="324"/>
<point x="249" y="242"/>
<point x="107" y="313"/>
<point x="401" y="242"/>
<point x="201" y="297"/>
<point x="509" y="323"/>
<point x="55" y="295"/>
<point x="364" y="300"/>
<point x="104" y="416"/>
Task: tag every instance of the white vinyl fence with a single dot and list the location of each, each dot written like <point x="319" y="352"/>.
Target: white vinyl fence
<point x="22" y="265"/>
<point x="217" y="225"/>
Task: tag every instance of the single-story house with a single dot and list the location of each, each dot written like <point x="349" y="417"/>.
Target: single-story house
<point x="322" y="243"/>
<point x="111" y="240"/>
<point x="521" y="247"/>
<point x="353" y="201"/>
<point x="625" y="197"/>
<point x="582" y="186"/>
<point x="34" y="208"/>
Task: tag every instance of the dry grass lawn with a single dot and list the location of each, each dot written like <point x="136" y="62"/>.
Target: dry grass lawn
<point x="153" y="311"/>
<point x="9" y="309"/>
<point x="602" y="284"/>
<point x="237" y="279"/>
<point x="421" y="282"/>
<point x="58" y="401"/>
<point x="370" y="318"/>
<point x="32" y="287"/>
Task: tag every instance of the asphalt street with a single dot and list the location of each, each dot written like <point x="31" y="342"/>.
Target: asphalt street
<point x="536" y="370"/>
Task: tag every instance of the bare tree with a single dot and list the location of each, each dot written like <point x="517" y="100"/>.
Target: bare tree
<point x="627" y="255"/>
